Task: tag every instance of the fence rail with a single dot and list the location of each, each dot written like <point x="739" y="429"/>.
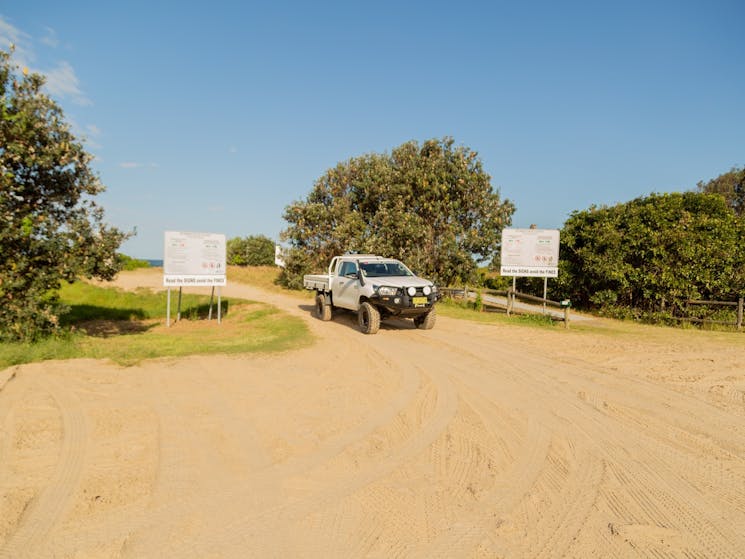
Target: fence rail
<point x="699" y="320"/>
<point x="509" y="305"/>
<point x="510" y="297"/>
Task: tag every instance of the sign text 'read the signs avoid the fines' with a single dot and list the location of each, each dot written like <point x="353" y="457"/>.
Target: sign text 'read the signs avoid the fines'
<point x="196" y="259"/>
<point x="530" y="253"/>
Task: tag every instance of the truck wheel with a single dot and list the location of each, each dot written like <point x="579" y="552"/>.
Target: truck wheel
<point x="323" y="311"/>
<point x="369" y="318"/>
<point x="426" y="321"/>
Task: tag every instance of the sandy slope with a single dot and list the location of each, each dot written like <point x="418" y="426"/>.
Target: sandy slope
<point x="463" y="441"/>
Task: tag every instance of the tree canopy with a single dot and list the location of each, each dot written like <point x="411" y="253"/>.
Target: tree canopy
<point x="430" y="205"/>
<point x="731" y="186"/>
<point x="254" y="250"/>
<point x="653" y="253"/>
<point x="52" y="230"/>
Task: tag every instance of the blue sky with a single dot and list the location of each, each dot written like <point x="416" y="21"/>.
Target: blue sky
<point x="214" y="116"/>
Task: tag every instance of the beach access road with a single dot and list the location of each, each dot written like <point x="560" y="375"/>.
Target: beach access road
<point x="470" y="440"/>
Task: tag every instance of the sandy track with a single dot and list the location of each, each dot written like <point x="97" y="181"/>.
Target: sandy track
<point x="463" y="441"/>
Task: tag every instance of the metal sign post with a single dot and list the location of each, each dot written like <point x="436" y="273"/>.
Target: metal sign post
<point x="219" y="304"/>
<point x="212" y="295"/>
<point x="511" y="297"/>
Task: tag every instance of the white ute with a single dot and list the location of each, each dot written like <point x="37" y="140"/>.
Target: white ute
<point x="374" y="287"/>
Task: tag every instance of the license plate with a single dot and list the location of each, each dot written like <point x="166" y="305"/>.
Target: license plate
<point x="419" y="301"/>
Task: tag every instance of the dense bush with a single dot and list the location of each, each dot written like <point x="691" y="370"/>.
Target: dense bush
<point x="129" y="263"/>
<point x="254" y="250"/>
<point x="651" y="254"/>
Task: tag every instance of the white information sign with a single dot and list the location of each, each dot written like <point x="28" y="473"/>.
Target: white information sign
<point x="279" y="256"/>
<point x="193" y="259"/>
<point x="530" y="253"/>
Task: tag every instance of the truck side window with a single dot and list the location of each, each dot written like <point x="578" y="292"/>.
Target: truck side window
<point x="348" y="268"/>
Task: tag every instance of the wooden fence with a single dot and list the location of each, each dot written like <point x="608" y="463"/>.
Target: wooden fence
<point x="511" y="296"/>
<point x="704" y="320"/>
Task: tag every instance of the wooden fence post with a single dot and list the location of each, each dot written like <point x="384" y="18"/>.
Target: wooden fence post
<point x="739" y="313"/>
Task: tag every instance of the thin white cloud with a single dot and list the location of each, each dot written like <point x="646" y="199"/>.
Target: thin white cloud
<point x="50" y="38"/>
<point x="62" y="81"/>
<point x="137" y="165"/>
<point x="87" y="134"/>
<point x="20" y="41"/>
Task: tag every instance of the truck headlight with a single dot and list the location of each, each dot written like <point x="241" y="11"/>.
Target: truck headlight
<point x="411" y="291"/>
<point x="387" y="290"/>
<point x="427" y="290"/>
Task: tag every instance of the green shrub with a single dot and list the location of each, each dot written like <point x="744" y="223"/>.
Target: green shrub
<point x="128" y="263"/>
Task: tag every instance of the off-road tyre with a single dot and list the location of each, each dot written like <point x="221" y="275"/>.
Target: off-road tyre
<point x="323" y="311"/>
<point x="426" y="321"/>
<point x="369" y="318"/>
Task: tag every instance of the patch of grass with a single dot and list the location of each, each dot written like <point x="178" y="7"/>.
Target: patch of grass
<point x="129" y="263"/>
<point x="535" y="319"/>
<point x="90" y="302"/>
<point x="250" y="328"/>
<point x="61" y="346"/>
<point x="465" y="311"/>
<point x="263" y="277"/>
<point x="128" y="327"/>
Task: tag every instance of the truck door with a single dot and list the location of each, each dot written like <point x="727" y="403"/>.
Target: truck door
<point x="347" y="291"/>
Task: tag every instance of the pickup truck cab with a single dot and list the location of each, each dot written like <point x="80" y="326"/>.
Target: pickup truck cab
<point x="375" y="288"/>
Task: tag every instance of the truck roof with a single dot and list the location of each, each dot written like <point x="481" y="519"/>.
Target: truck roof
<point x="365" y="257"/>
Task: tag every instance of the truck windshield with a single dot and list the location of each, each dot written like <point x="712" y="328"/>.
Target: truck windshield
<point x="384" y="269"/>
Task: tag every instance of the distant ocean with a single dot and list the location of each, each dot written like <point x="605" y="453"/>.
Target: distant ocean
<point x="156" y="263"/>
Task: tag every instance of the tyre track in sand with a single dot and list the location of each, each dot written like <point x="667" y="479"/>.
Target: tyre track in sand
<point x="555" y="398"/>
<point x="7" y="403"/>
<point x="252" y="531"/>
<point x="468" y="446"/>
<point x="649" y="484"/>
<point x="49" y="507"/>
<point x="164" y="521"/>
<point x="559" y="477"/>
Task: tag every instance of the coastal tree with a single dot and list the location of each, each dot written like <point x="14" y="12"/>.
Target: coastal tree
<point x="431" y="205"/>
<point x="731" y="186"/>
<point x="254" y="250"/>
<point x="52" y="229"/>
